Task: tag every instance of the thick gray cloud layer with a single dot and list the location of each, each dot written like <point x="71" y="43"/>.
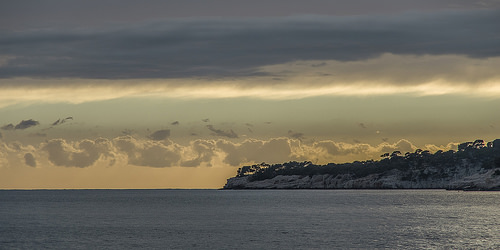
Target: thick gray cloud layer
<point x="237" y="47"/>
<point x="35" y="13"/>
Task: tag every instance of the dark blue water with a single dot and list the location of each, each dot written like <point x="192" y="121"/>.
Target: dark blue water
<point x="249" y="219"/>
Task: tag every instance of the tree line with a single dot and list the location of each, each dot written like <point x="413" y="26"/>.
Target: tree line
<point x="486" y="154"/>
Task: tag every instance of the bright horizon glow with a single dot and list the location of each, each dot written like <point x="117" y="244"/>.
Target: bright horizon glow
<point x="81" y="94"/>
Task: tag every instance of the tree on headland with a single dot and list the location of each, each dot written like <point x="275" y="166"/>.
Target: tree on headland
<point x="415" y="164"/>
<point x="396" y="153"/>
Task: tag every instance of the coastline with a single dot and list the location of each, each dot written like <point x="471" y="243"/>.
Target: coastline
<point x="469" y="178"/>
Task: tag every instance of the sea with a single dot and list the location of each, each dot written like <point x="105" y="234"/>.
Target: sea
<point x="249" y="219"/>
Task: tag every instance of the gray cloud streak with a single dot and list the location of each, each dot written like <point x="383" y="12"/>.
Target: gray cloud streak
<point x="61" y="121"/>
<point x="219" y="132"/>
<point x="237" y="47"/>
<point x="9" y="126"/>
<point x="24" y="124"/>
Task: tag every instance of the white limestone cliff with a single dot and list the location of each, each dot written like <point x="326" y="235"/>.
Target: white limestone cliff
<point x="467" y="178"/>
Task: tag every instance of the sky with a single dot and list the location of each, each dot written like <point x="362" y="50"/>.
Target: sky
<point x="180" y="94"/>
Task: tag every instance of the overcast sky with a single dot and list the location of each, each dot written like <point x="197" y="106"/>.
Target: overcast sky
<point x="179" y="94"/>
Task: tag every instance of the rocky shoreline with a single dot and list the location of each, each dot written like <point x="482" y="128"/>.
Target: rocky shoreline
<point x="481" y="181"/>
<point x="468" y="169"/>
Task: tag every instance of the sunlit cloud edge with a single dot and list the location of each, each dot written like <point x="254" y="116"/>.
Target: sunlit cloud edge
<point x="81" y="93"/>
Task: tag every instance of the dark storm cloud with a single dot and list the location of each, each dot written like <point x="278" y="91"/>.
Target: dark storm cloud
<point x="160" y="135"/>
<point x="237" y="47"/>
<point x="35" y="13"/>
<point x="219" y="132"/>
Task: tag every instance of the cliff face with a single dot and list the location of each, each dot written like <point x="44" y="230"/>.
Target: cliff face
<point x="467" y="176"/>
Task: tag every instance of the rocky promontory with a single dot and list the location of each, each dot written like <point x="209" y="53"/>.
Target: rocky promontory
<point x="473" y="167"/>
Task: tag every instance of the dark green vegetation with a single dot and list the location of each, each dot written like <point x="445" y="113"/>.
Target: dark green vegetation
<point x="414" y="164"/>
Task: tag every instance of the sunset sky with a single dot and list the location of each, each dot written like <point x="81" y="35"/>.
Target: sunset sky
<point x="180" y="93"/>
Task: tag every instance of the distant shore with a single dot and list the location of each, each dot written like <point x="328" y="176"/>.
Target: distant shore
<point x="474" y="167"/>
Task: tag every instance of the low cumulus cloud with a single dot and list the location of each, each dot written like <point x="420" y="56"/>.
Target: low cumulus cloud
<point x="248" y="151"/>
<point x="165" y="153"/>
<point x="148" y="153"/>
<point x="29" y="159"/>
<point x="238" y="47"/>
<point x="219" y="132"/>
<point x="77" y="154"/>
<point x="199" y="152"/>
<point x="15" y="154"/>
<point x="342" y="149"/>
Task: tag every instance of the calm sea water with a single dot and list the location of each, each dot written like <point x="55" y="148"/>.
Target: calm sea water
<point x="249" y="219"/>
